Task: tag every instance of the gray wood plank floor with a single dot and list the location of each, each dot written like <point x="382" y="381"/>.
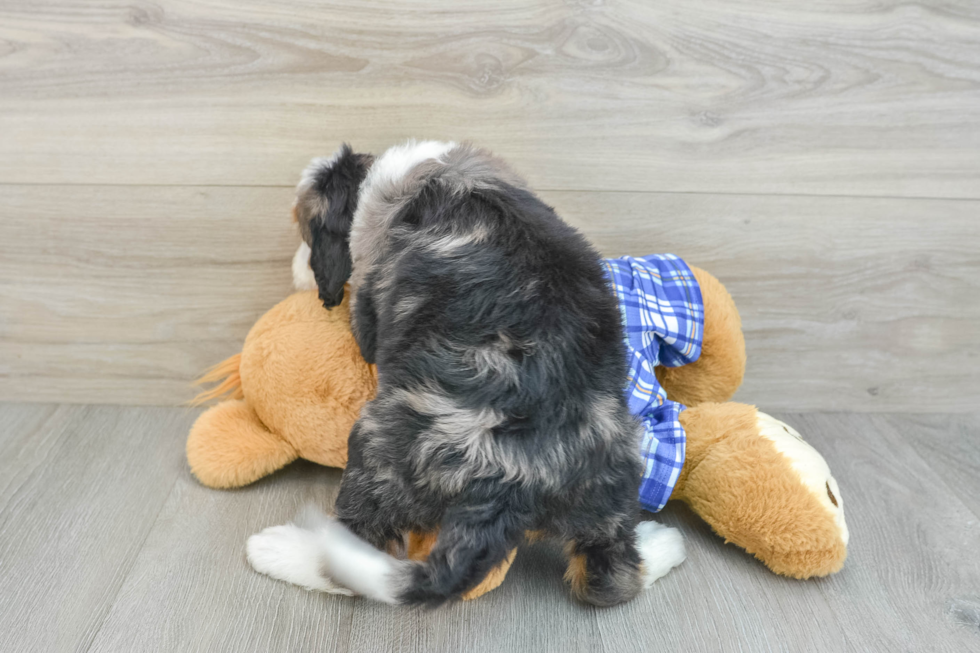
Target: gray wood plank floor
<point x="108" y="544"/>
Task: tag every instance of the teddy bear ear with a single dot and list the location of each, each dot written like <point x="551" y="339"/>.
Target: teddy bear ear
<point x="809" y="464"/>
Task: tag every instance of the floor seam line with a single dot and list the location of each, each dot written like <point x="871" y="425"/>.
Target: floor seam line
<point x="543" y="189"/>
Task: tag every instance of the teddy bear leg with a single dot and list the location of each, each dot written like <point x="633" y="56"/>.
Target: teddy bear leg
<point x="420" y="544"/>
<point x="717" y="373"/>
<point x="229" y="447"/>
<point x="761" y="486"/>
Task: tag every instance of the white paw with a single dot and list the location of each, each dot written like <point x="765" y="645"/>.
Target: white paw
<point x="661" y="547"/>
<point x="292" y="554"/>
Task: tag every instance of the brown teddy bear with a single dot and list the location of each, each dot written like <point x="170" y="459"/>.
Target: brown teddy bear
<point x="299" y="384"/>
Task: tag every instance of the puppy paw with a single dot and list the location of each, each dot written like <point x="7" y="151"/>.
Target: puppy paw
<point x="661" y="547"/>
<point x="290" y="553"/>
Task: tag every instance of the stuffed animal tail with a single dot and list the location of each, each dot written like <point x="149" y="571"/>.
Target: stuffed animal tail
<point x="226" y="374"/>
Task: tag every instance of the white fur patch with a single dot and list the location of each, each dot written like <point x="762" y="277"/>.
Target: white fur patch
<point x="318" y="550"/>
<point x="303" y="278"/>
<point x="661" y="547"/>
<point x="356" y="564"/>
<point x="406" y="306"/>
<point x="448" y="244"/>
<point x="290" y="553"/>
<point x="467" y="431"/>
<point x="808" y="463"/>
<point x="396" y="162"/>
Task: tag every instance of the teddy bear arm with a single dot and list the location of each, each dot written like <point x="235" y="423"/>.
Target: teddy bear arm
<point x="230" y="447"/>
<point x="755" y="491"/>
<point x="718" y="372"/>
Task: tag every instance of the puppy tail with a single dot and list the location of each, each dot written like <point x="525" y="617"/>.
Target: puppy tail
<point x="471" y="542"/>
<point x="347" y="560"/>
<point x="229" y="379"/>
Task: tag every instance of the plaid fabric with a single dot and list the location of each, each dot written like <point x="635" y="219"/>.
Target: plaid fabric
<point x="663" y="320"/>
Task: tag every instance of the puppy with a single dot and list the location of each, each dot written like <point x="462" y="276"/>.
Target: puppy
<point x="501" y="368"/>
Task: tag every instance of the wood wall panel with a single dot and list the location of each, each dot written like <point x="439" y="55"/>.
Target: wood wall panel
<point x="124" y="294"/>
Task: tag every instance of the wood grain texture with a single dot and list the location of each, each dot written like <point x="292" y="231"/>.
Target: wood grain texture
<point x="866" y="98"/>
<point x="95" y="559"/>
<point x="124" y="295"/>
<point x="80" y="488"/>
<point x="847" y="303"/>
<point x="912" y="567"/>
<point x="191" y="589"/>
<point x="911" y="561"/>
<point x="953" y="452"/>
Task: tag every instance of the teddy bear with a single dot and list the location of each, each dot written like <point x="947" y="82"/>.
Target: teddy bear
<point x="298" y="385"/>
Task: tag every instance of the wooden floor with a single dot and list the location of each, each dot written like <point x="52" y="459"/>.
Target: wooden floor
<point x="108" y="544"/>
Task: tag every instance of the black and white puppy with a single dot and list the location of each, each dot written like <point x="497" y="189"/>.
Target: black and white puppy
<point x="501" y="369"/>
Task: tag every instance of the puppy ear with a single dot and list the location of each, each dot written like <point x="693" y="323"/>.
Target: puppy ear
<point x="326" y="200"/>
<point x="331" y="264"/>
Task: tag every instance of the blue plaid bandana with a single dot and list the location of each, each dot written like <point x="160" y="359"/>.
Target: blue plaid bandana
<point x="663" y="321"/>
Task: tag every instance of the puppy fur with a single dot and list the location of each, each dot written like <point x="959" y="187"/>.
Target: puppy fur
<point x="325" y="201"/>
<point x="500" y="372"/>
